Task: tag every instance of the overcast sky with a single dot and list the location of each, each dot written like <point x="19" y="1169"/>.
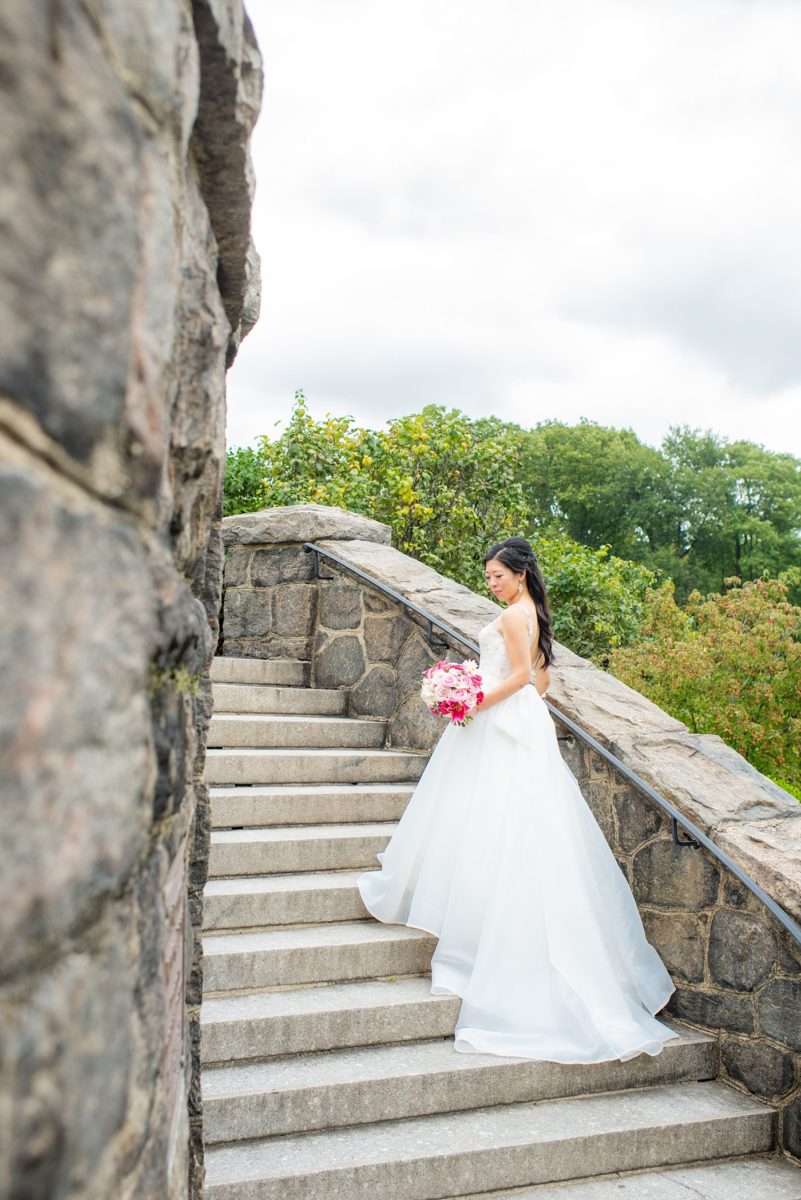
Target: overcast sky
<point x="532" y="208"/>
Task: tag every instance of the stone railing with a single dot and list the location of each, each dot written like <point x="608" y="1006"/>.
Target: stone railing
<point x="737" y="971"/>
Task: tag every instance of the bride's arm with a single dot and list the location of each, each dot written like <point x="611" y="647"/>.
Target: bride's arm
<point x="514" y="628"/>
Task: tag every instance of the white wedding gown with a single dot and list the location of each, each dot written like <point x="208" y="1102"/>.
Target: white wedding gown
<point x="498" y="855"/>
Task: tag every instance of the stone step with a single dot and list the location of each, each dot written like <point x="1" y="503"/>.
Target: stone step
<point x="268" y="730"/>
<point x="328" y="1016"/>
<point x="313" y="766"/>
<point x="486" y="1149"/>
<point x="383" y="1083"/>
<point x="315" y="954"/>
<point x="307" y="804"/>
<point x="738" y="1179"/>
<point x="257" y="698"/>
<point x="287" y="848"/>
<point x="280" y="672"/>
<point x="298" y="899"/>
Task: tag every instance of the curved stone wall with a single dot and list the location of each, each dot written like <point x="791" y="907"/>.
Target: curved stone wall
<point x="126" y="282"/>
<point x="737" y="971"/>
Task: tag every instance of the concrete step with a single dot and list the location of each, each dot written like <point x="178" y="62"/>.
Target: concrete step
<point x="329" y="1016"/>
<point x="276" y="851"/>
<point x="256" y="730"/>
<point x="307" y="804"/>
<point x="313" y="766"/>
<point x="258" y="698"/>
<point x="277" y="672"/>
<point x="298" y="899"/>
<point x="316" y="954"/>
<point x="485" y="1149"/>
<point x="383" y="1083"/>
<point x="738" y="1179"/>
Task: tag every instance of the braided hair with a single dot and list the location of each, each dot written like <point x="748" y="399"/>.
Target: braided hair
<point x="517" y="554"/>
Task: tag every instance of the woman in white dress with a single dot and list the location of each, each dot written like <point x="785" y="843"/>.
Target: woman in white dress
<point x="498" y="856"/>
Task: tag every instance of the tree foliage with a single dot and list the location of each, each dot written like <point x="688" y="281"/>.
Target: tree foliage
<point x="635" y="544"/>
<point x="445" y="484"/>
<point x="243" y="489"/>
<point x="448" y="487"/>
<point x="726" y="663"/>
<point x="698" y="510"/>
<point x="597" y="599"/>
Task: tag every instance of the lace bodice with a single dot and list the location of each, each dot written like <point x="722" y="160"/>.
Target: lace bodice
<point x="494" y="662"/>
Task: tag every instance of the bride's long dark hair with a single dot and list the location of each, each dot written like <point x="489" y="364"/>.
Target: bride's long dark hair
<point x="517" y="554"/>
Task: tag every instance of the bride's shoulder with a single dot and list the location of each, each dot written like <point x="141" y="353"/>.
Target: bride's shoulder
<point x="516" y="614"/>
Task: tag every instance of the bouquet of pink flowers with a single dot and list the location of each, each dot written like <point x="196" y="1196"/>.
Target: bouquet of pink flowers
<point x="452" y="690"/>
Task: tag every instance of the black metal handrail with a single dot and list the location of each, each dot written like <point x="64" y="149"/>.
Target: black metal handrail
<point x="696" y="836"/>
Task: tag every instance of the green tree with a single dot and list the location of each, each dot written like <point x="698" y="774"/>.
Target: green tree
<point x="600" y="486"/>
<point x="323" y="462"/>
<point x="597" y="599"/>
<point x="697" y="510"/>
<point x="243" y="489"/>
<point x="740" y="507"/>
<point x="448" y="487"/>
<point x="727" y="663"/>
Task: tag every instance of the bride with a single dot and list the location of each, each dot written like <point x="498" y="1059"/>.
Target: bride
<point x="498" y="856"/>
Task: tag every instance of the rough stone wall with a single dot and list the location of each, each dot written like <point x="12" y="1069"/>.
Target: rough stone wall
<point x="126" y="281"/>
<point x="737" y="971"/>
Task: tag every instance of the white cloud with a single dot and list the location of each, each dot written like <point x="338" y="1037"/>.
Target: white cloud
<point x="583" y="208"/>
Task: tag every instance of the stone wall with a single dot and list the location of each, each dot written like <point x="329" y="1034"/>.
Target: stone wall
<point x="126" y="281"/>
<point x="737" y="971"/>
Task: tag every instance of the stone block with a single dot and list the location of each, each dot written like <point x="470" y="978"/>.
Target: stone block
<point x="638" y="820"/>
<point x="375" y="602"/>
<point x="791" y="1127"/>
<point x="680" y="939"/>
<point x="713" y="1010"/>
<point x="375" y="694"/>
<point x="624" y="867"/>
<point x="605" y="703"/>
<point x="574" y="753"/>
<point x="789" y="957"/>
<point x="268" y="646"/>
<point x="736" y="895"/>
<point x="707" y="780"/>
<point x="237" y="567"/>
<point x="670" y="876"/>
<point x="71" y="1036"/>
<point x="742" y="950"/>
<point x="413" y="727"/>
<point x="293" y="610"/>
<point x="597" y="795"/>
<point x="285" y="564"/>
<point x="340" y="662"/>
<point x="762" y="1068"/>
<point x="230" y="96"/>
<point x="340" y="605"/>
<point x="384" y="637"/>
<point x="68" y="260"/>
<point x="247" y="612"/>
<point x="770" y="851"/>
<point x="302" y="523"/>
<point x="415" y="658"/>
<point x="779" y="1011"/>
<point x="75" y="726"/>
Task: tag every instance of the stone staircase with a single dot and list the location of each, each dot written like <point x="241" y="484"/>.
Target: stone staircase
<point x="329" y="1068"/>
